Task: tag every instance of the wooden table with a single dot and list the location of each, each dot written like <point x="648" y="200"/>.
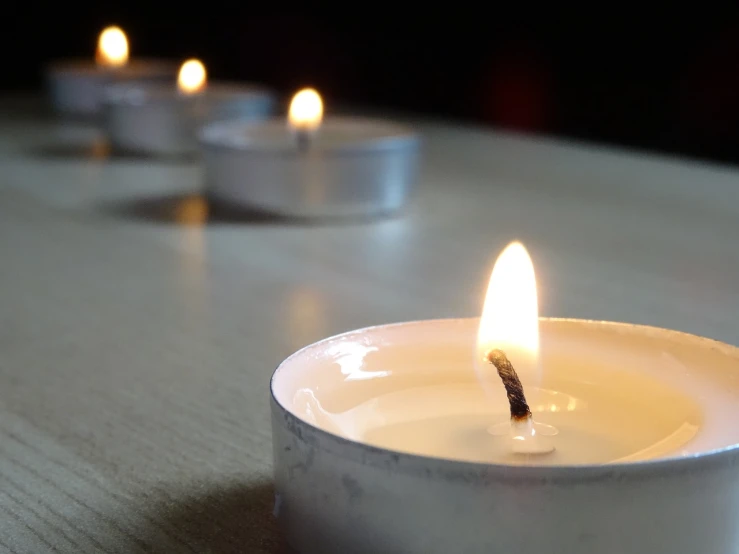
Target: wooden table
<point x="139" y="328"/>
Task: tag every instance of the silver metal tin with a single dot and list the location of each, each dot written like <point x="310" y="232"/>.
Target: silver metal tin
<point x="353" y="167"/>
<point x="335" y="495"/>
<point x="76" y="87"/>
<point x="155" y="119"/>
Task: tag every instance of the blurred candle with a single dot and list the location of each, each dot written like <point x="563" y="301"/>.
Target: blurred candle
<point x="192" y="78"/>
<point x="76" y="87"/>
<point x="308" y="165"/>
<point x="112" y="50"/>
<point x="158" y="119"/>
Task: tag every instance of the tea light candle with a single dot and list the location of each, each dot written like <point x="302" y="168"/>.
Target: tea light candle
<point x="311" y="167"/>
<point x="76" y="86"/>
<point x="403" y="438"/>
<point x="160" y="119"/>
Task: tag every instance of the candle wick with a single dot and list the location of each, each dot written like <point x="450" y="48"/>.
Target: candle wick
<point x="514" y="389"/>
<point x="303" y="139"/>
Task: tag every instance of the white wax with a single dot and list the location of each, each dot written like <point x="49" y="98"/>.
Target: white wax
<point x="133" y="70"/>
<point x="216" y="101"/>
<point x="334" y="134"/>
<point x="596" y="423"/>
<point x="616" y="393"/>
<point x="139" y="93"/>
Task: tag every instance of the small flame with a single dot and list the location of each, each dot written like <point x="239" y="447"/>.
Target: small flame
<point x="510" y="322"/>
<point x="306" y="110"/>
<point x="112" y="48"/>
<point x="192" y="78"/>
<point x="510" y="316"/>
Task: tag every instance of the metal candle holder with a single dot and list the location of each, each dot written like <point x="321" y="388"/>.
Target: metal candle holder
<point x="76" y="87"/>
<point x="350" y="167"/>
<point x="336" y="493"/>
<point x="157" y="120"/>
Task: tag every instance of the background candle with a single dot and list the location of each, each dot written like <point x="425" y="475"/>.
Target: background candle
<point x="305" y="116"/>
<point x="160" y="119"/>
<point x="76" y="86"/>
<point x="337" y="167"/>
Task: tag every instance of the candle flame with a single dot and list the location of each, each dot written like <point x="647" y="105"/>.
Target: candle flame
<point x="510" y="322"/>
<point x="112" y="50"/>
<point x="510" y="316"/>
<point x="306" y="110"/>
<point x="192" y="77"/>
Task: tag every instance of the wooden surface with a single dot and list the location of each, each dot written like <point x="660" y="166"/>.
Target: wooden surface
<point x="139" y="327"/>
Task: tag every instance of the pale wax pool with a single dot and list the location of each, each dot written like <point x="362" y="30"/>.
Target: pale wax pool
<point x="615" y="394"/>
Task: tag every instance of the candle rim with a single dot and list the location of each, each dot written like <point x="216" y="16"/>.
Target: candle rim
<point x="416" y="464"/>
<point x="134" y="65"/>
<point x="570" y="473"/>
<point x="221" y="135"/>
<point x="151" y="93"/>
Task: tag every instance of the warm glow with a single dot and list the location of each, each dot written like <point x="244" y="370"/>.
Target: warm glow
<point x="192" y="77"/>
<point x="510" y="316"/>
<point x="112" y="48"/>
<point x="510" y="322"/>
<point x="306" y="110"/>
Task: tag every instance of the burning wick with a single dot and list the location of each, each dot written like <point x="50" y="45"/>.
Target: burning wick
<point x="509" y="325"/>
<point x="520" y="410"/>
<point x="303" y="140"/>
<point x="305" y="116"/>
<point x="529" y="437"/>
<point x="112" y="50"/>
<point x="192" y="78"/>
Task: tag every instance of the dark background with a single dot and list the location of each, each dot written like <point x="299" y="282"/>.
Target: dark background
<point x="669" y="82"/>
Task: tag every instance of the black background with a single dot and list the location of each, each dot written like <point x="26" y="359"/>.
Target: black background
<point x="667" y="82"/>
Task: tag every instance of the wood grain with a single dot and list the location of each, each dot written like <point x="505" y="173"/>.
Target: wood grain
<point x="139" y="326"/>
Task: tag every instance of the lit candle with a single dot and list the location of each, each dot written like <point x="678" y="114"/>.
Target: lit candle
<point x="112" y="50"/>
<point x="305" y="116"/>
<point x="192" y="78"/>
<point x="509" y="330"/>
<point x="311" y="166"/>
<point x="409" y="438"/>
<point x="162" y="120"/>
<point x="76" y="86"/>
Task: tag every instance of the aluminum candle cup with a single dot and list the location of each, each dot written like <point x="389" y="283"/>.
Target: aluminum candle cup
<point x="350" y="167"/>
<point x="382" y="443"/>
<point x="76" y="87"/>
<point x="160" y="120"/>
